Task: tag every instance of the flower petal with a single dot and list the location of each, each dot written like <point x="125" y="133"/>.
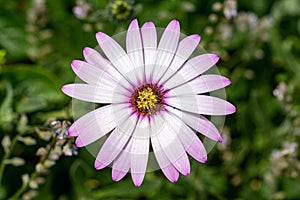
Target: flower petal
<point x="93" y="126"/>
<point x="191" y="143"/>
<point x="201" y="104"/>
<point x="96" y="94"/>
<point x="94" y="58"/>
<point x="199" y="123"/>
<point x="166" y="166"/>
<point x="164" y="163"/>
<point x="191" y="69"/>
<point x="166" y="49"/>
<point x="202" y="84"/>
<point x="121" y="164"/>
<point x="149" y="38"/>
<point x="115" y="143"/>
<point x="134" y="46"/>
<point x="171" y="145"/>
<point x="185" y="48"/>
<point x="140" y="151"/>
<point x="116" y="54"/>
<point x="92" y="75"/>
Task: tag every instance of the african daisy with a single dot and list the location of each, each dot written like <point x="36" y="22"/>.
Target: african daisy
<point x="153" y="96"/>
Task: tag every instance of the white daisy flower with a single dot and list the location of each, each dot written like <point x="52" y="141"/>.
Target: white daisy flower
<point x="153" y="96"/>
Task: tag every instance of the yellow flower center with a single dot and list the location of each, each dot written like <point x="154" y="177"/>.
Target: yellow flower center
<point x="147" y="99"/>
<point x="121" y="9"/>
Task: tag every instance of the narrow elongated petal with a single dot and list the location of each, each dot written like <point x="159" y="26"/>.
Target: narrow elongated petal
<point x="93" y="126"/>
<point x="96" y="94"/>
<point x="94" y="58"/>
<point x="92" y="75"/>
<point x="115" y="143"/>
<point x="191" y="143"/>
<point x="121" y="164"/>
<point x="140" y="151"/>
<point x="115" y="53"/>
<point x="201" y="104"/>
<point x="134" y="46"/>
<point x="149" y="38"/>
<point x="199" y="123"/>
<point x="192" y="68"/>
<point x="202" y="84"/>
<point x="166" y="49"/>
<point x="167" y="139"/>
<point x="185" y="48"/>
<point x="164" y="163"/>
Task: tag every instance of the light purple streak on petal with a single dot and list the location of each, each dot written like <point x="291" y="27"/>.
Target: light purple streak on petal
<point x="166" y="49"/>
<point x="185" y="48"/>
<point x="164" y="163"/>
<point x="116" y="54"/>
<point x="171" y="145"/>
<point x="192" y="144"/>
<point x="202" y="84"/>
<point x="95" y="94"/>
<point x="93" y="125"/>
<point x="140" y="151"/>
<point x="121" y="164"/>
<point x="115" y="143"/>
<point x="166" y="166"/>
<point x="192" y="68"/>
<point x="199" y="123"/>
<point x="134" y="46"/>
<point x="94" y="58"/>
<point x="201" y="104"/>
<point x="149" y="38"/>
<point x="92" y="75"/>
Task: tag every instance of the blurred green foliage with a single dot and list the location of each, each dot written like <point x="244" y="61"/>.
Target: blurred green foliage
<point x="259" y="49"/>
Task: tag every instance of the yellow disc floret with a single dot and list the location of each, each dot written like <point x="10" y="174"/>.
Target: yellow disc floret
<point x="146" y="99"/>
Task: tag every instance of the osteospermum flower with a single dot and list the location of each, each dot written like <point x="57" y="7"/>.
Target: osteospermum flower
<point x="155" y="99"/>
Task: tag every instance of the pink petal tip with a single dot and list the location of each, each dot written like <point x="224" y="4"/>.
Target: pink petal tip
<point x="117" y="175"/>
<point x="220" y="139"/>
<point x="226" y="81"/>
<point x="148" y="25"/>
<point x="75" y="65"/>
<point x="101" y="37"/>
<point x="79" y="143"/>
<point x="134" y="24"/>
<point x="99" y="165"/>
<point x="196" y="37"/>
<point x="86" y="51"/>
<point x="203" y="160"/>
<point x="137" y="179"/>
<point x="174" y="25"/>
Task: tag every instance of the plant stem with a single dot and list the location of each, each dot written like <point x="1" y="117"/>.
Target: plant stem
<point x="6" y="156"/>
<point x="20" y="191"/>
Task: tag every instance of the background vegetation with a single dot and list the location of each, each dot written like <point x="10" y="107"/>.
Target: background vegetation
<point x="259" y="45"/>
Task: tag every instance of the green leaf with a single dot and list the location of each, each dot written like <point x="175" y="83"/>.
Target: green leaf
<point x="6" y="111"/>
<point x="126" y="189"/>
<point x="35" y="88"/>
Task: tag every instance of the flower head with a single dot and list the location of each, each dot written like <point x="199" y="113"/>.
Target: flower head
<point x="154" y="93"/>
<point x="120" y="10"/>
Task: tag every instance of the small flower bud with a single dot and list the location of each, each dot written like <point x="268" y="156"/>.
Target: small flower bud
<point x="41" y="151"/>
<point x="49" y="163"/>
<point x="6" y="142"/>
<point x="25" y="179"/>
<point x="40" y="168"/>
<point x="16" y="161"/>
<point x="27" y="140"/>
<point x="33" y="184"/>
